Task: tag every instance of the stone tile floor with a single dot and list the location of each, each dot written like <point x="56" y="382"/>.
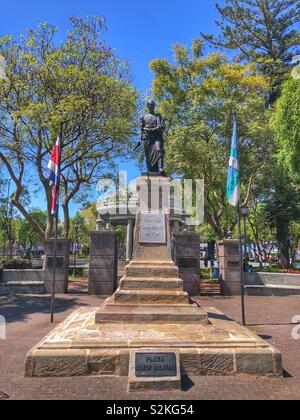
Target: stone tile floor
<point x="28" y="322"/>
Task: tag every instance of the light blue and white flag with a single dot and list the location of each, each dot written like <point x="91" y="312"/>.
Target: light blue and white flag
<point x="233" y="177"/>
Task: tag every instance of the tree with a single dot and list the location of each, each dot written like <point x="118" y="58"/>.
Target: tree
<point x="78" y="84"/>
<point x="82" y="224"/>
<point x="26" y="236"/>
<point x="283" y="207"/>
<point x="264" y="32"/>
<point x="6" y="216"/>
<point x="286" y="121"/>
<point x="279" y="205"/>
<point x="198" y="96"/>
<point x="260" y="229"/>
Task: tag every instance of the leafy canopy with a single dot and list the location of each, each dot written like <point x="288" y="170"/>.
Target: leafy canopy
<point x="78" y="83"/>
<point x="198" y="96"/>
<point x="286" y="121"/>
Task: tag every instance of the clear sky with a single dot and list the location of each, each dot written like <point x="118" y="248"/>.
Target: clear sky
<point x="138" y="30"/>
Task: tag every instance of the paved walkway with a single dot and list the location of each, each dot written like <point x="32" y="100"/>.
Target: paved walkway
<point x="28" y="323"/>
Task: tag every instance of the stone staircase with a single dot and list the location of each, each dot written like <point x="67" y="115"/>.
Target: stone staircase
<point x="150" y="292"/>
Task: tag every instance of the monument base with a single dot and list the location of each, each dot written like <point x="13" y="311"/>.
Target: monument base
<point x="151" y="313"/>
<point x="79" y="346"/>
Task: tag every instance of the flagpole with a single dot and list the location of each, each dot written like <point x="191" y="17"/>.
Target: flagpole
<point x="241" y="267"/>
<point x="233" y="196"/>
<point x="55" y="237"/>
<point x="242" y="270"/>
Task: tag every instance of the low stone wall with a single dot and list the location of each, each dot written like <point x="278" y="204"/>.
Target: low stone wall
<point x="30" y="275"/>
<point x="278" y="279"/>
<point x="272" y="284"/>
<point x="14" y="282"/>
<point x="262" y="284"/>
<point x="22" y="288"/>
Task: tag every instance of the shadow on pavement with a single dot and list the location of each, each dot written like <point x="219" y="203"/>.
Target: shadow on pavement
<point x="265" y="337"/>
<point x="287" y="374"/>
<point x="18" y="308"/>
<point x="186" y="383"/>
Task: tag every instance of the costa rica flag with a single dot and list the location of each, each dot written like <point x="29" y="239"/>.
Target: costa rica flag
<point x="54" y="175"/>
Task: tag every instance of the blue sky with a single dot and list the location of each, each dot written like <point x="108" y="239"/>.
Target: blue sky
<point x="138" y="30"/>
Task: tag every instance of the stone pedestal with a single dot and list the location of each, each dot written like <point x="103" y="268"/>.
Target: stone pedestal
<point x="230" y="268"/>
<point x="187" y="258"/>
<point x="62" y="265"/>
<point x="151" y="312"/>
<point x="151" y="289"/>
<point x="103" y="263"/>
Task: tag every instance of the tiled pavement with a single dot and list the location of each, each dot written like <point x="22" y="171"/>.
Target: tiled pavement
<point x="28" y="323"/>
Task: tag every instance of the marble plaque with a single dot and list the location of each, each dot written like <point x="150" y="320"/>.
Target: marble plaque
<point x="153" y="228"/>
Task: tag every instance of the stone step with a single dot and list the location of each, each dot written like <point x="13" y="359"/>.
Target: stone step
<point x="151" y="270"/>
<point x="116" y="313"/>
<point x="157" y="263"/>
<point x="150" y="296"/>
<point x="130" y="283"/>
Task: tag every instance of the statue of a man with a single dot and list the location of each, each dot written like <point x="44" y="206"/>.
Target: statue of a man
<point x="152" y="130"/>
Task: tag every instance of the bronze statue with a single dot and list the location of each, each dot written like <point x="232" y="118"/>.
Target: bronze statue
<point x="152" y="129"/>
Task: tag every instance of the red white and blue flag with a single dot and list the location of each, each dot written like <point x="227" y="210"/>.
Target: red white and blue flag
<point x="54" y="175"/>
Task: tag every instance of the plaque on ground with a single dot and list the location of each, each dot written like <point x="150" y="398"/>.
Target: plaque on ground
<point x="153" y="228"/>
<point x="150" y="369"/>
<point x="155" y="364"/>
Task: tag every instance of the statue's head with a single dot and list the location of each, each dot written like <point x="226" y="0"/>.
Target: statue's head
<point x="151" y="105"/>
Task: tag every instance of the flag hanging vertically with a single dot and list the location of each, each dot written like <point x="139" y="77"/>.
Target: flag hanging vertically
<point x="54" y="175"/>
<point x="233" y="177"/>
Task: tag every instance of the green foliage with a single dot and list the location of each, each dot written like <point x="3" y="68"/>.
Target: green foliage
<point x="78" y="83"/>
<point x="286" y="121"/>
<point x="82" y="224"/>
<point x="263" y="32"/>
<point x="79" y="231"/>
<point x="120" y="233"/>
<point x="15" y="264"/>
<point x="25" y="234"/>
<point x="198" y="96"/>
<point x="79" y="272"/>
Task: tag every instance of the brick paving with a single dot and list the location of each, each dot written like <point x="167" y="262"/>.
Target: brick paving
<point x="28" y="322"/>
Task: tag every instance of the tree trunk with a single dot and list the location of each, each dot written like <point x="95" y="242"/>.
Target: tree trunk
<point x="282" y="235"/>
<point x="35" y="226"/>
<point x="66" y="219"/>
<point x="49" y="228"/>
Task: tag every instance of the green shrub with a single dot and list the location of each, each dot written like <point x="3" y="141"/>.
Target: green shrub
<point x="15" y="264"/>
<point x="79" y="271"/>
